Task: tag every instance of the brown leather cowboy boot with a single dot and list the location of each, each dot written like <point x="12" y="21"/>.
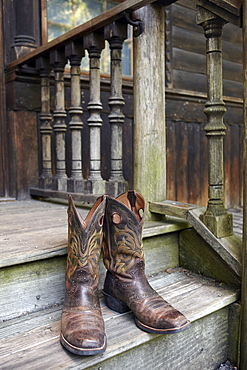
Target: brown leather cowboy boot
<point x="82" y="330"/>
<point x="126" y="286"/>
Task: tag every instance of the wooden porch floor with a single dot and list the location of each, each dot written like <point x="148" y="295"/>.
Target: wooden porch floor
<point x="23" y="223"/>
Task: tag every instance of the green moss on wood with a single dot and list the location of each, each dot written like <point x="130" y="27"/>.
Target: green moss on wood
<point x="197" y="255"/>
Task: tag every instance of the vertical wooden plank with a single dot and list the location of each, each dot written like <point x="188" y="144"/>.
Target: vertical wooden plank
<point x="243" y="338"/>
<point x="194" y="195"/>
<point x="3" y="120"/>
<point x="182" y="161"/>
<point x="227" y="166"/>
<point x="235" y="170"/>
<point x="23" y="153"/>
<point x="241" y="149"/>
<point x="171" y="181"/>
<point x="203" y="166"/>
<point x="128" y="151"/>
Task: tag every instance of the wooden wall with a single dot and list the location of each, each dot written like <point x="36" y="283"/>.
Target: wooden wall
<point x="186" y="95"/>
<point x="188" y="45"/>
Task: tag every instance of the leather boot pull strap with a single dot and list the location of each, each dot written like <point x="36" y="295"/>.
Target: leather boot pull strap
<point x="132" y="198"/>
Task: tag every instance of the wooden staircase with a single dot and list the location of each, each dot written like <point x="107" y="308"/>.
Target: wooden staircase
<point x="33" y="237"/>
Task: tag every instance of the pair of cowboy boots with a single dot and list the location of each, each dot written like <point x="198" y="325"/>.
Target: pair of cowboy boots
<point x="114" y="226"/>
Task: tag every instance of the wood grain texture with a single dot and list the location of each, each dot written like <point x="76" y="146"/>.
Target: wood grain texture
<point x="4" y="182"/>
<point x="196" y="255"/>
<point x="149" y="105"/>
<point x="229" y="248"/>
<point x="33" y="247"/>
<point x="33" y="230"/>
<point x="180" y="109"/>
<point x="86" y="28"/>
<point x="24" y="341"/>
<point x="22" y="152"/>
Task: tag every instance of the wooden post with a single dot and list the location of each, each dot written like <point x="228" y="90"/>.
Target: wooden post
<point x="94" y="43"/>
<point x="149" y="105"/>
<point x="58" y="61"/>
<point x="24" y="41"/>
<point x="243" y="337"/>
<point x="4" y="124"/>
<point x="218" y="221"/>
<point x="74" y="52"/>
<point x="115" y="34"/>
<point x="45" y="180"/>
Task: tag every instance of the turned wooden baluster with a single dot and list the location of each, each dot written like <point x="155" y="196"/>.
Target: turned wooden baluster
<point x="215" y="218"/>
<point x="58" y="61"/>
<point x="74" y="52"/>
<point x="45" y="180"/>
<point x="115" y="34"/>
<point x="94" y="43"/>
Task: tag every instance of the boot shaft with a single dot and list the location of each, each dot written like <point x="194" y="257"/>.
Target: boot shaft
<point x="84" y="245"/>
<point x="122" y="247"/>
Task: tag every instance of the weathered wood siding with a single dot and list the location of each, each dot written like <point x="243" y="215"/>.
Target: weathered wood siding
<point x="187" y="176"/>
<point x="188" y="52"/>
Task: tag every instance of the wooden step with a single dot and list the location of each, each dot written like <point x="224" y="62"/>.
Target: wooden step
<point x="33" y="247"/>
<point x="32" y="341"/>
<point x="34" y="230"/>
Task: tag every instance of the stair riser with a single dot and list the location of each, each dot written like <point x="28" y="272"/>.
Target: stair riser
<point x="203" y="346"/>
<point x="37" y="285"/>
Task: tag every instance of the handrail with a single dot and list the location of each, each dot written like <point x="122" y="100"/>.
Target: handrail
<point x="90" y="26"/>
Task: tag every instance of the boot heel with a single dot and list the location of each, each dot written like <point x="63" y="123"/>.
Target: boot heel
<point x="115" y="304"/>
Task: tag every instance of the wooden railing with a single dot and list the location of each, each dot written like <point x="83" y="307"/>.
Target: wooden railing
<point x="50" y="61"/>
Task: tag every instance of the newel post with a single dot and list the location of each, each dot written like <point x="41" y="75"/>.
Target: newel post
<point x="218" y="221"/>
<point x="149" y="105"/>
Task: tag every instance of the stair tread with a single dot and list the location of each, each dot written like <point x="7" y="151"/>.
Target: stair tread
<point x="33" y="230"/>
<point x="32" y="340"/>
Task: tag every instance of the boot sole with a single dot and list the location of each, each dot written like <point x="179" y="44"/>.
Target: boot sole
<point x="120" y="307"/>
<point x="152" y="330"/>
<point x="82" y="351"/>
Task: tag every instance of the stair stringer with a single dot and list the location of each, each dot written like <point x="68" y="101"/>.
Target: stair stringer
<point x="224" y="253"/>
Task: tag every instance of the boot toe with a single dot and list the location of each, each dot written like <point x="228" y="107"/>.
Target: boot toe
<point x="80" y="338"/>
<point x="165" y="320"/>
<point x="83" y="346"/>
